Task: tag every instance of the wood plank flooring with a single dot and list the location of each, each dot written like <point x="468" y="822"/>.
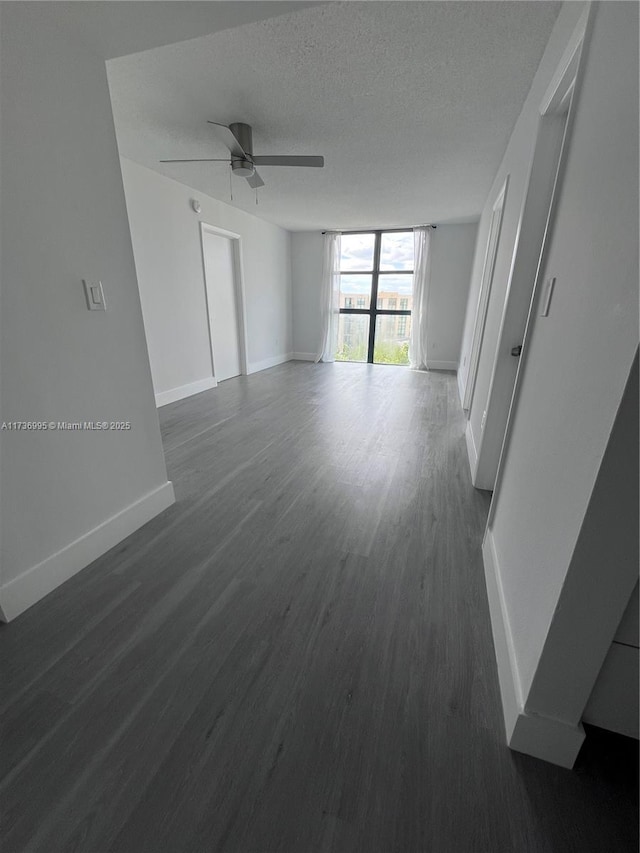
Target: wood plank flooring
<point x="297" y="656"/>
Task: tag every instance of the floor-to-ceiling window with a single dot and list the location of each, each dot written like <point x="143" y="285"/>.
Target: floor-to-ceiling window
<point x="376" y="296"/>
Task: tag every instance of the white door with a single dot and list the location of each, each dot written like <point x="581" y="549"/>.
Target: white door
<point x="492" y="416"/>
<point x="483" y="298"/>
<point x="219" y="267"/>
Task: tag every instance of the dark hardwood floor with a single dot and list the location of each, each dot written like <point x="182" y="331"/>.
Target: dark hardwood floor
<point x="297" y="655"/>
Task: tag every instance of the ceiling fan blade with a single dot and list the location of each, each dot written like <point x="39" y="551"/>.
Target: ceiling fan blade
<point x="255" y="181"/>
<point x="198" y="160"/>
<point x="289" y="161"/>
<point x="226" y="136"/>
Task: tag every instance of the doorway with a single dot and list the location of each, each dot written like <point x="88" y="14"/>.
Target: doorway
<point x="221" y="255"/>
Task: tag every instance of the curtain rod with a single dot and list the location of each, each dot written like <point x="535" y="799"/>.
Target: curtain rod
<point x="371" y="230"/>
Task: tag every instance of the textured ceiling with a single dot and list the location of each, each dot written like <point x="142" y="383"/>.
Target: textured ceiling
<point x="411" y="104"/>
<point x="111" y="29"/>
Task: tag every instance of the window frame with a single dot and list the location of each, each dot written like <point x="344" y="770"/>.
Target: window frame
<point x="373" y="311"/>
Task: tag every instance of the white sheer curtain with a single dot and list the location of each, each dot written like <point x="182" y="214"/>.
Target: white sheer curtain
<point x="330" y="290"/>
<point x="421" y="276"/>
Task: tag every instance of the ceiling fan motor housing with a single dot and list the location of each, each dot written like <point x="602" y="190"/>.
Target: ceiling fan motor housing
<point x="243" y="134"/>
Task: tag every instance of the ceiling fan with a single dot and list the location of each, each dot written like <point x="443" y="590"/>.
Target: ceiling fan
<point x="238" y="138"/>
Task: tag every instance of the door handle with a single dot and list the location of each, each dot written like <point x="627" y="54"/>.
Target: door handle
<point x="516" y="350"/>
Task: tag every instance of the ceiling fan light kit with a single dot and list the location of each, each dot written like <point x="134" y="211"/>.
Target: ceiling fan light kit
<point x="238" y="138"/>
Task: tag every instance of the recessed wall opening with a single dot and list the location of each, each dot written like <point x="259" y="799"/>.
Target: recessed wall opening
<point x="224" y="287"/>
<point x="376" y="296"/>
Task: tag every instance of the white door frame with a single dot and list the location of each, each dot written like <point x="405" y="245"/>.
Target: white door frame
<point x="238" y="280"/>
<point x="565" y="85"/>
<point x="530" y="231"/>
<point x="486" y="282"/>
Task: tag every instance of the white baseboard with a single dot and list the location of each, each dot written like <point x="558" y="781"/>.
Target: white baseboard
<point x="442" y="365"/>
<point x="526" y="731"/>
<point x="510" y="690"/>
<point x="461" y="388"/>
<point x="472" y="453"/>
<point x="166" y="397"/>
<point x="547" y="739"/>
<point x="479" y="478"/>
<point x="265" y="364"/>
<point x="303" y="356"/>
<point x="34" y="583"/>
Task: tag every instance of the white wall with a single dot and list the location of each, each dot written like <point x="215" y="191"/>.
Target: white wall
<point x="516" y="164"/>
<point x="67" y="496"/>
<point x="607" y="546"/>
<point x="575" y="367"/>
<point x="452" y="248"/>
<point x="452" y="251"/>
<point x="306" y="273"/>
<point x="165" y="233"/>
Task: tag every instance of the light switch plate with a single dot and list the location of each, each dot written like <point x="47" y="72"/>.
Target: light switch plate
<point x="94" y="295"/>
